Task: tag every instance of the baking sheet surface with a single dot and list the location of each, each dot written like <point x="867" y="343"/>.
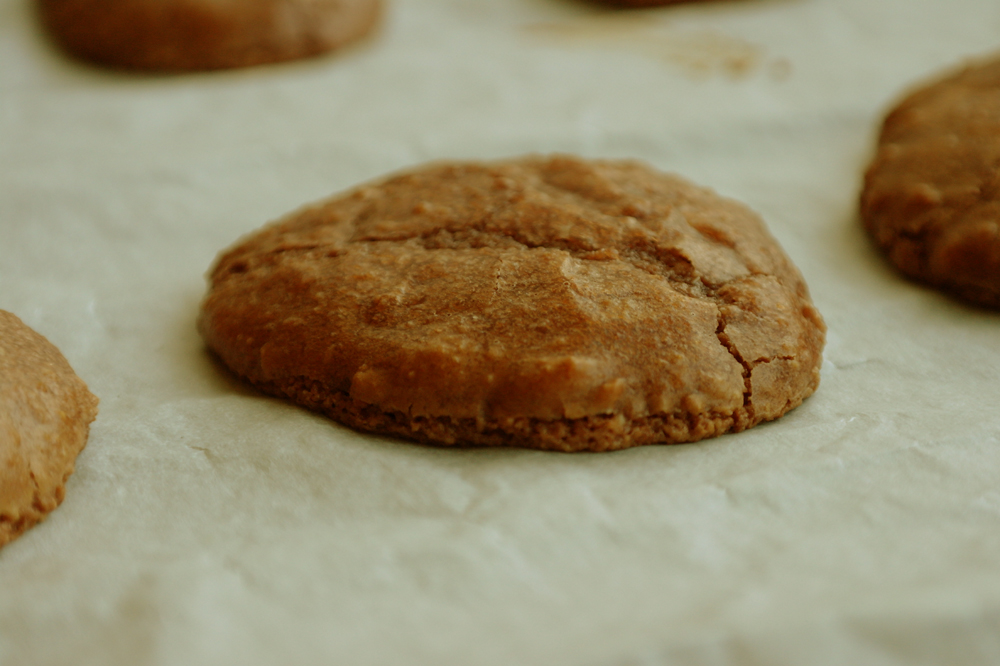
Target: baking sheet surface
<point x="207" y="524"/>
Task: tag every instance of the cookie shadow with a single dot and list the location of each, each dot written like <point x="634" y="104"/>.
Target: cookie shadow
<point x="225" y="380"/>
<point x="878" y="269"/>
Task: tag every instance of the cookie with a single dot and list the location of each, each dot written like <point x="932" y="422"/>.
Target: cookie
<point x="45" y="415"/>
<point x="183" y="35"/>
<point x="543" y="302"/>
<point x="931" y="196"/>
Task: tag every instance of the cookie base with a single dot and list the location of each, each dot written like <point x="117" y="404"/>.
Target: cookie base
<point x="609" y="432"/>
<point x="188" y="35"/>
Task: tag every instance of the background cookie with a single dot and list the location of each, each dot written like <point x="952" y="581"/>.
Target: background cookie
<point x="550" y="303"/>
<point x="177" y="35"/>
<point x="931" y="197"/>
<point x="45" y="415"/>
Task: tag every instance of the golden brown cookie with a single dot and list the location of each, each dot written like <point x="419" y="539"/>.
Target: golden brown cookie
<point x="181" y="35"/>
<point x="551" y="303"/>
<point x="931" y="197"/>
<point x="45" y="415"/>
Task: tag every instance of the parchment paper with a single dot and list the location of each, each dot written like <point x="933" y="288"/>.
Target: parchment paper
<point x="207" y="524"/>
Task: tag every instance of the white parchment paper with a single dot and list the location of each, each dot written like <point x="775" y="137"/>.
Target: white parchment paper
<point x="206" y="524"/>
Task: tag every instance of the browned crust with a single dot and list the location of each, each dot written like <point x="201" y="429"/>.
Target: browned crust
<point x="931" y="196"/>
<point x="45" y="415"/>
<point x="544" y="302"/>
<point x="189" y="35"/>
<point x="601" y="432"/>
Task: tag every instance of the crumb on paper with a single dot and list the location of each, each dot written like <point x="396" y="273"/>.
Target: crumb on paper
<point x="699" y="53"/>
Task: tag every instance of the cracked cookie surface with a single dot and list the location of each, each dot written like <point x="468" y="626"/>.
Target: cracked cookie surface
<point x="931" y="197"/>
<point x="545" y="302"/>
<point x="186" y="35"/>
<point x="45" y="416"/>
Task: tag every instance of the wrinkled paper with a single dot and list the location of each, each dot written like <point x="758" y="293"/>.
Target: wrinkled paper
<point x="207" y="524"/>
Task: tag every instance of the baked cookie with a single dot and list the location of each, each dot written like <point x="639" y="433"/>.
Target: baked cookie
<point x="181" y="35"/>
<point x="551" y="303"/>
<point x="931" y="197"/>
<point x="45" y="414"/>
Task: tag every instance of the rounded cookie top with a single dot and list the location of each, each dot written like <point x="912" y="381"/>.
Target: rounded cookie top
<point x="931" y="197"/>
<point x="543" y="302"/>
<point x="182" y="35"/>
<point x="45" y="415"/>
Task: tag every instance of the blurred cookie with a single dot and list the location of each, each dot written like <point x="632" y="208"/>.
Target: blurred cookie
<point x="551" y="303"/>
<point x="180" y="35"/>
<point x="931" y="197"/>
<point x="45" y="415"/>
